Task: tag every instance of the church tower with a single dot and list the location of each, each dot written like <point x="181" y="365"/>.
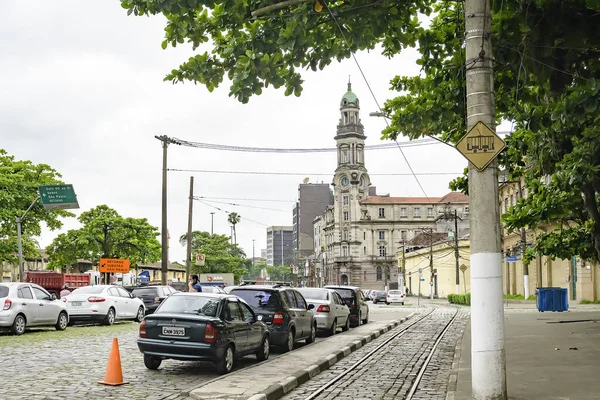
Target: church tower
<point x="351" y="185"/>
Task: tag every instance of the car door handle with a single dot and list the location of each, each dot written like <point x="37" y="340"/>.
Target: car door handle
<point x="41" y="305"/>
<point x="23" y="304"/>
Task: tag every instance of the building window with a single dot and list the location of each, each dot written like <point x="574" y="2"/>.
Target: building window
<point x="403" y="235"/>
<point x="381" y="251"/>
<point x="466" y="209"/>
<point x="403" y="212"/>
<point x="512" y="200"/>
<point x="345" y="200"/>
<point x="345" y="235"/>
<point x="364" y="275"/>
<point x="345" y="156"/>
<point x="417" y="212"/>
<point x="365" y="250"/>
<point x="345" y="215"/>
<point x="345" y="251"/>
<point x="382" y="213"/>
<point x="506" y="204"/>
<point x="364" y="235"/>
<point x="381" y="235"/>
<point x="430" y="212"/>
<point x="379" y="274"/>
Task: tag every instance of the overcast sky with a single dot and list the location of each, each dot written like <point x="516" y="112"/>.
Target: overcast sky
<point x="82" y="90"/>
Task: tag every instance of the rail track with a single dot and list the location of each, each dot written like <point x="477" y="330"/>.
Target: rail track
<point x="405" y="329"/>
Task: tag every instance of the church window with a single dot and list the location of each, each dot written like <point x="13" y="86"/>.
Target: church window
<point x="345" y="117"/>
<point x="345" y="251"/>
<point x="382" y="251"/>
<point x="382" y="213"/>
<point x="360" y="155"/>
<point x="345" y="215"/>
<point x="379" y="274"/>
<point x="364" y="235"/>
<point x="345" y="200"/>
<point x="381" y="235"/>
<point x="345" y="155"/>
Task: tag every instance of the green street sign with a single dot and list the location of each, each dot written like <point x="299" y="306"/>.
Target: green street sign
<point x="58" y="197"/>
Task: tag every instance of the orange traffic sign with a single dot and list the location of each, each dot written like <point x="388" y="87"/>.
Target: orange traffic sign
<point x="480" y="145"/>
<point x="114" y="265"/>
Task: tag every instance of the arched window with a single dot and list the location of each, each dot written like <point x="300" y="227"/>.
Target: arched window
<point x="379" y="273"/>
<point x="344" y="279"/>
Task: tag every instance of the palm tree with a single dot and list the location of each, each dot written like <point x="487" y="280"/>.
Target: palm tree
<point x="234" y="219"/>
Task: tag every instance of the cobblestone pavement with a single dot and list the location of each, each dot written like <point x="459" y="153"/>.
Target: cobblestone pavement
<point x="46" y="364"/>
<point x="389" y="373"/>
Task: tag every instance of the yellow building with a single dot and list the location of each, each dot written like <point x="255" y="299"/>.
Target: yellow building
<point x="444" y="267"/>
<point x="578" y="277"/>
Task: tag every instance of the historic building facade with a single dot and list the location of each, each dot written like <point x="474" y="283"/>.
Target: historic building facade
<point x="358" y="237"/>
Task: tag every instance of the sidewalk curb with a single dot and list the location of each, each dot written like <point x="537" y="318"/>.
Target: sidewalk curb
<point x="278" y="390"/>
<point x="453" y="378"/>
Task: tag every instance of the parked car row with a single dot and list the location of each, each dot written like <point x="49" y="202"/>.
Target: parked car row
<point x="248" y="320"/>
<point x="389" y="297"/>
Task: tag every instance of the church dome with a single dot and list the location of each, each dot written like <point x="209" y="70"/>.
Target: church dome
<point x="349" y="97"/>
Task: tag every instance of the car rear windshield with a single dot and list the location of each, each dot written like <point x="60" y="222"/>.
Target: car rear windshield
<point x="259" y="299"/>
<point x="145" y="291"/>
<point x="3" y="291"/>
<point x="314" y="294"/>
<point x="395" y="292"/>
<point x="345" y="293"/>
<point x="190" y="305"/>
<point x="89" y="290"/>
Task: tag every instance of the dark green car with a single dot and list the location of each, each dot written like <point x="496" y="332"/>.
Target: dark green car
<point x="204" y="327"/>
<point x="356" y="302"/>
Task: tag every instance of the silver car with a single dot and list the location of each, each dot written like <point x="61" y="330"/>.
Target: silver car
<point x="27" y="304"/>
<point x="330" y="310"/>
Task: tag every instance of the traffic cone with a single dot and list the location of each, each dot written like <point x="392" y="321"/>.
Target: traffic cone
<point x="114" y="374"/>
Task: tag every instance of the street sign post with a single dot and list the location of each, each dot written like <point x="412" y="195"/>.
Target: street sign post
<point x="109" y="265"/>
<point x="200" y="259"/>
<point x="58" y="197"/>
<point x="480" y="145"/>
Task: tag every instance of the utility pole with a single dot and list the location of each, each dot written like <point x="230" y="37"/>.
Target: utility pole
<point x="212" y="221"/>
<point x="431" y="263"/>
<point x="188" y="263"/>
<point x="488" y="358"/>
<point x="164" y="262"/>
<point x="20" y="240"/>
<point x="456" y="253"/>
<point x="523" y="250"/>
<point x="253" y="254"/>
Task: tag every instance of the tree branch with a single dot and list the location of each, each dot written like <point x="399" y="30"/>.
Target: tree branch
<point x="277" y="6"/>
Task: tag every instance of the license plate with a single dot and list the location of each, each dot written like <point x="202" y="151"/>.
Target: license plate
<point x="173" y="331"/>
<point x="76" y="303"/>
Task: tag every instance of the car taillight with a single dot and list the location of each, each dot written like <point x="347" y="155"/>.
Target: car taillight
<point x="210" y="334"/>
<point x="143" y="328"/>
<point x="388" y="295"/>
<point x="278" y="318"/>
<point x="96" y="299"/>
<point x="323" y="308"/>
<point x="7" y="305"/>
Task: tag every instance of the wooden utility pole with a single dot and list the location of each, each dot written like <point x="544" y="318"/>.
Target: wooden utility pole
<point x="488" y="358"/>
<point x="188" y="259"/>
<point x="164" y="262"/>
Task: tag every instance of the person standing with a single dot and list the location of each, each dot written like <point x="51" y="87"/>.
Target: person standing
<point x="65" y="291"/>
<point x="194" y="285"/>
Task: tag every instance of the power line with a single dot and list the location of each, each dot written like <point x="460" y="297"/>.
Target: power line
<point x="243" y="205"/>
<point x="200" y="198"/>
<point x="228" y="212"/>
<point x="208" y="171"/>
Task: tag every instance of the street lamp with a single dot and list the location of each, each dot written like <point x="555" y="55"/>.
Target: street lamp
<point x="377" y="114"/>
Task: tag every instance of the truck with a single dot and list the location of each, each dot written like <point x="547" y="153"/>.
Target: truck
<point x="53" y="282"/>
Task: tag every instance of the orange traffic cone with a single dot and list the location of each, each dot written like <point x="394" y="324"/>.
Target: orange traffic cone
<point x="114" y="374"/>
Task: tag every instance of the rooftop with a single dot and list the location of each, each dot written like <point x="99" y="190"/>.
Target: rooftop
<point x="452" y="197"/>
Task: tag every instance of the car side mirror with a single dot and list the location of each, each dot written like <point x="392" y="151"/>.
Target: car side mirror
<point x="310" y="306"/>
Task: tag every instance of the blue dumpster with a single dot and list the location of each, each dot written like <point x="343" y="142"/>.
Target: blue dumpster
<point x="552" y="299"/>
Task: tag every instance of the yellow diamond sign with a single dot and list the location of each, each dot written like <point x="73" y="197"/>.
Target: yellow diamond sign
<point x="480" y="146"/>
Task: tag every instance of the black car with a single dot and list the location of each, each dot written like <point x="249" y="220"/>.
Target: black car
<point x="152" y="296"/>
<point x="284" y="310"/>
<point x="379" y="296"/>
<point x="355" y="300"/>
<point x="202" y="326"/>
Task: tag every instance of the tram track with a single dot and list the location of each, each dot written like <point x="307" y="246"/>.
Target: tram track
<point x="422" y="323"/>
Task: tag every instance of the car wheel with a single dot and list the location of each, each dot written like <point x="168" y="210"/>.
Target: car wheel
<point x="366" y="320"/>
<point x="387" y="304"/>
<point x="110" y="317"/>
<point x="140" y="315"/>
<point x="346" y="327"/>
<point x="225" y="364"/>
<point x="313" y="334"/>
<point x="289" y="343"/>
<point x="331" y="331"/>
<point x="62" y="321"/>
<point x="263" y="351"/>
<point x="151" y="362"/>
<point x="18" y="326"/>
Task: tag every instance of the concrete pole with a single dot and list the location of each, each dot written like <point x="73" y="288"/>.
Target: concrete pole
<point x="212" y="220"/>
<point x="523" y="250"/>
<point x="164" y="235"/>
<point x="456" y="253"/>
<point x="20" y="250"/>
<point x="431" y="263"/>
<point x="488" y="358"/>
<point x="188" y="263"/>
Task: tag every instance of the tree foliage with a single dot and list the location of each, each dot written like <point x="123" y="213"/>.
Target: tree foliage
<point x="546" y="82"/>
<point x="106" y="234"/>
<point x="279" y="273"/>
<point x="221" y="256"/>
<point x="19" y="182"/>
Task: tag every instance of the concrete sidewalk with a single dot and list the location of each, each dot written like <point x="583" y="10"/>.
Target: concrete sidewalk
<point x="549" y="356"/>
<point x="273" y="378"/>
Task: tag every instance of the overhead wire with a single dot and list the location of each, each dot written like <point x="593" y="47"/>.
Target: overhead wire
<point x="244" y="205"/>
<point x="208" y="171"/>
<point x="229" y="212"/>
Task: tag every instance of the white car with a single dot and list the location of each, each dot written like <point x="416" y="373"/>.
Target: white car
<point x="27" y="304"/>
<point x="395" y="296"/>
<point x="103" y="303"/>
<point x="330" y="310"/>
